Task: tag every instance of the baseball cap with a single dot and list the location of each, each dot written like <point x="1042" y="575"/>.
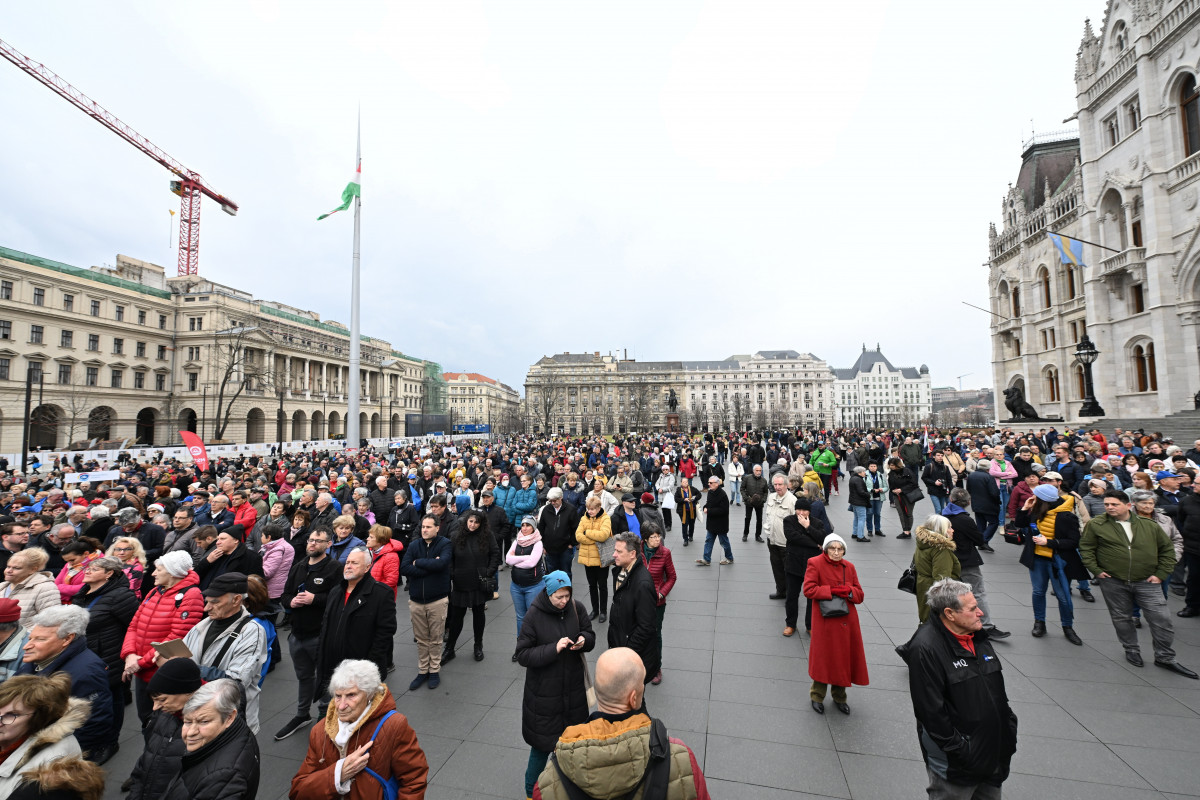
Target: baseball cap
<point x="1166" y="473"/>
<point x="230" y="582"/>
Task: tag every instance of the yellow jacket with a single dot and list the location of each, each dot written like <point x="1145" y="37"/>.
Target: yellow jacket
<point x="590" y="531"/>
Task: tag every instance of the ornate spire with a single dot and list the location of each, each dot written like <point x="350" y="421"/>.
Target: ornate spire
<point x="1088" y="55"/>
<point x="1046" y="191"/>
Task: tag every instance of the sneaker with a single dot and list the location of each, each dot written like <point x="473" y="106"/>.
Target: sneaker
<point x="417" y="681"/>
<point x="996" y="633"/>
<point x="702" y="562"/>
<point x="726" y="561"/>
<point x="435" y="680"/>
<point x="293" y="725"/>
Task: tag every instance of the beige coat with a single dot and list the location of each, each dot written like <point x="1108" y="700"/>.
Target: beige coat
<point x="775" y="511"/>
<point x="53" y="741"/>
<point x="36" y="593"/>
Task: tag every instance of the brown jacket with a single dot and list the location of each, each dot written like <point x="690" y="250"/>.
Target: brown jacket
<point x="395" y="752"/>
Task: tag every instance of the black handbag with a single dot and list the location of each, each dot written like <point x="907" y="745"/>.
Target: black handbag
<point x="834" y="607"/>
<point x="913" y="495"/>
<point x="487" y="581"/>
<point x="908" y="578"/>
<point x="1013" y="535"/>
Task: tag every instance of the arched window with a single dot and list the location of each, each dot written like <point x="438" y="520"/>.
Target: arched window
<point x="1189" y="102"/>
<point x="1144" y="370"/>
<point x="1016" y="302"/>
<point x="1052" y="388"/>
<point x="1120" y="38"/>
<point x="1043" y="281"/>
<point x="1080" y="383"/>
<point x="1071" y="290"/>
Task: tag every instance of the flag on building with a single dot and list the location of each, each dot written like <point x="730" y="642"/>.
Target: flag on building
<point x="1070" y="251"/>
<point x="353" y="189"/>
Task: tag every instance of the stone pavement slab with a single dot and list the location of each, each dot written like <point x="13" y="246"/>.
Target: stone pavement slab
<point x="734" y="689"/>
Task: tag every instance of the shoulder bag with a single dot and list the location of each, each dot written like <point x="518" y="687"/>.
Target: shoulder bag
<point x="913" y="495"/>
<point x="908" y="579"/>
<point x="608" y="549"/>
<point x="391" y="786"/>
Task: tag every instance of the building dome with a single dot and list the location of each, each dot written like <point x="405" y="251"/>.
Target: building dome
<point x="924" y="370"/>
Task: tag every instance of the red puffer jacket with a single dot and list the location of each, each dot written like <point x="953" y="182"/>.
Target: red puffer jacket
<point x="662" y="570"/>
<point x="164" y="615"/>
<point x="385" y="567"/>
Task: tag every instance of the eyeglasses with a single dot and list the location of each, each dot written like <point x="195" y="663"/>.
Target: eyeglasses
<point x="11" y="717"/>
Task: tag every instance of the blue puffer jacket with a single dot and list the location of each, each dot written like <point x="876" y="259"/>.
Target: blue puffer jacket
<point x="518" y="503"/>
<point x="427" y="567"/>
<point x="89" y="681"/>
<point x="503" y="495"/>
<point x="576" y="496"/>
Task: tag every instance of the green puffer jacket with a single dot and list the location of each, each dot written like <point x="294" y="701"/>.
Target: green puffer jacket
<point x="607" y="757"/>
<point x="824" y="463"/>
<point x="1105" y="548"/>
<point x="935" y="559"/>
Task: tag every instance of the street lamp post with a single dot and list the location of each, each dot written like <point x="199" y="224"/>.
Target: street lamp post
<point x="1087" y="354"/>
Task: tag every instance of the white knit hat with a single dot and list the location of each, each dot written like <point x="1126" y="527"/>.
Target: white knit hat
<point x="830" y="539"/>
<point x="176" y="562"/>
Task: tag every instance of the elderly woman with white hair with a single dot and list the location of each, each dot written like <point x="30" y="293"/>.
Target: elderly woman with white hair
<point x="362" y="745"/>
<point x="58" y="643"/>
<point x="222" y="761"/>
<point x="27" y="581"/>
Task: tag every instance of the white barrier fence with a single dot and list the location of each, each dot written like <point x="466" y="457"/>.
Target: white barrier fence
<point x="215" y="451"/>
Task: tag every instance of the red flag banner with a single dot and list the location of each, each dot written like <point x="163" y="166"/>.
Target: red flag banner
<point x="195" y="446"/>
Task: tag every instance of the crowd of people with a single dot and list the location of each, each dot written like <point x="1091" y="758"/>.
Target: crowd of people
<point x="170" y="590"/>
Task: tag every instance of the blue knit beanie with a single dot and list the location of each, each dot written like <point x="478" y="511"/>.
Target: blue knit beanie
<point x="557" y="580"/>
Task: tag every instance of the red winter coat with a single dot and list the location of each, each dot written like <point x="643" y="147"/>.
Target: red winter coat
<point x="158" y="619"/>
<point x="662" y="570"/>
<point x="835" y="654"/>
<point x="385" y="567"/>
<point x="246" y="516"/>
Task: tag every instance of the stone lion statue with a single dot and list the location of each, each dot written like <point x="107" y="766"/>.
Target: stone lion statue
<point x="1014" y="401"/>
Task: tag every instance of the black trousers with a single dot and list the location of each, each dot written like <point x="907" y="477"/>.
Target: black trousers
<point x="666" y="512"/>
<point x="597" y="588"/>
<point x="688" y="530"/>
<point x="791" y="603"/>
<point x="778" y="554"/>
<point x="457" y="616"/>
<point x="757" y="512"/>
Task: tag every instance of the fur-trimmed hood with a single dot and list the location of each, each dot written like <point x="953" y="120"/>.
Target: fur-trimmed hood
<point x="68" y="774"/>
<point x="928" y="538"/>
<point x="53" y="734"/>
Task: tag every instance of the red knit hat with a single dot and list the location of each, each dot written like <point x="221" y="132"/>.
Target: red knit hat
<point x="10" y="610"/>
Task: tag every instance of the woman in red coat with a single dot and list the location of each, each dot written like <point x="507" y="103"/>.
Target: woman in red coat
<point x="835" y="656"/>
<point x="385" y="556"/>
<point x="662" y="569"/>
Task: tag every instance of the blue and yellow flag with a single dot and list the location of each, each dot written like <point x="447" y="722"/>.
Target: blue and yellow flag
<point x="1070" y="251"/>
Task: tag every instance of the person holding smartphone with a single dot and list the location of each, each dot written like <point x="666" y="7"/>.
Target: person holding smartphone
<point x="557" y="631"/>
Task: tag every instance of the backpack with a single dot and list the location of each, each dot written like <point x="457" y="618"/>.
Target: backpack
<point x="655" y="778"/>
<point x="391" y="786"/>
<point x="272" y="635"/>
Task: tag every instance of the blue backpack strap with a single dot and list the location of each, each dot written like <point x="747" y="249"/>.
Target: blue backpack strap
<point x="391" y="786"/>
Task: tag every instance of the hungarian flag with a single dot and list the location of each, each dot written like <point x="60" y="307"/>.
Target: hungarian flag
<point x="353" y="189"/>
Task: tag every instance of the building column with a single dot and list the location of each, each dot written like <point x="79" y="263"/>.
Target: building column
<point x="287" y="374"/>
<point x="307" y="377"/>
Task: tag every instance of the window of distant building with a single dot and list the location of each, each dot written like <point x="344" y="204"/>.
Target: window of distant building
<point x="1189" y="101"/>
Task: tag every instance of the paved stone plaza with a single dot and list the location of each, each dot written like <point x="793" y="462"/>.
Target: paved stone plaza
<point x="737" y="692"/>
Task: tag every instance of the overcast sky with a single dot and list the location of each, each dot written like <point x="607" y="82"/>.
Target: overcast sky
<point x="682" y="179"/>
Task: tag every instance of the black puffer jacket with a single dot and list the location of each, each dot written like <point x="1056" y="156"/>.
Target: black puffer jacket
<point x="1188" y="522"/>
<point x="555" y="696"/>
<point x="968" y="538"/>
<point x="160" y="760"/>
<point x="802" y="543"/>
<point x="632" y="621"/>
<point x="475" y="554"/>
<point x="224" y="769"/>
<point x="110" y="610"/>
<point x="962" y="711"/>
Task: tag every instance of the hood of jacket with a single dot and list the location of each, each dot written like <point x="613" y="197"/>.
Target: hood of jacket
<point x="606" y="758"/>
<point x="77" y="714"/>
<point x="34" y="580"/>
<point x="71" y="775"/>
<point x="381" y="703"/>
<point x="932" y="540"/>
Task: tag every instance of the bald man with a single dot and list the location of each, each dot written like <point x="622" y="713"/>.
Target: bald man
<point x="604" y="740"/>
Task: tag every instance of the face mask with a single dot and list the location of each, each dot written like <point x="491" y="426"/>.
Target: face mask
<point x="504" y="483"/>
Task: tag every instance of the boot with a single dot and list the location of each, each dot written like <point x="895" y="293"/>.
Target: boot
<point x="448" y="653"/>
<point x="592" y="616"/>
<point x="1039" y="628"/>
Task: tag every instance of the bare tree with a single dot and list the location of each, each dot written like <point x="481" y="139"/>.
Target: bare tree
<point x="551" y="390"/>
<point x="236" y="369"/>
<point x="76" y="403"/>
<point x="760" y="419"/>
<point x="721" y="415"/>
<point x="777" y="418"/>
<point x="686" y="420"/>
<point x="741" y="410"/>
<point x="642" y="394"/>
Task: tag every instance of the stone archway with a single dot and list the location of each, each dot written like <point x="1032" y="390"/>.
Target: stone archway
<point x="188" y="420"/>
<point x="335" y="425"/>
<point x="43" y="427"/>
<point x="147" y="418"/>
<point x="298" y="425"/>
<point x="100" y="423"/>
<point x="255" y="426"/>
<point x="317" y="426"/>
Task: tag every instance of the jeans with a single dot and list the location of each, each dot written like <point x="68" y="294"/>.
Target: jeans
<point x="736" y="485"/>
<point x="938" y="502"/>
<point x="708" y="545"/>
<point x="1119" y="596"/>
<point x="1137" y="610"/>
<point x="561" y="561"/>
<point x="1043" y="572"/>
<point x="533" y="768"/>
<point x="522" y="596"/>
<point x="988" y="524"/>
<point x="942" y="789"/>
<point x="874" y="522"/>
<point x="860" y="522"/>
<point x="974" y="578"/>
<point x="1003" y="502"/>
<point x="304" y="662"/>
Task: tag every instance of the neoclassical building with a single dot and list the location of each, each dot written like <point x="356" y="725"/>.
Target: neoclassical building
<point x="125" y="352"/>
<point x="874" y="394"/>
<point x="474" y="399"/>
<point x="1129" y="181"/>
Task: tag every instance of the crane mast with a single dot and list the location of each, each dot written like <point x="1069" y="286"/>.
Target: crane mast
<point x="189" y="186"/>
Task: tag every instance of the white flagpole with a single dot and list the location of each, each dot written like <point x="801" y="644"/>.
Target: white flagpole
<point x="353" y="434"/>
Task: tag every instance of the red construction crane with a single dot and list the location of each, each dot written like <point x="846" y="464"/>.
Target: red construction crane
<point x="189" y="186"/>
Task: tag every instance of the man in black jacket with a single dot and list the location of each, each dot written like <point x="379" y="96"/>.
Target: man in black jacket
<point x="304" y="596"/>
<point x="381" y="499"/>
<point x="716" y="523"/>
<point x="985" y="501"/>
<point x="938" y="481"/>
<point x="229" y="554"/>
<point x="359" y="622"/>
<point x="632" y="622"/>
<point x="403" y="518"/>
<point x="557" y="526"/>
<point x="1189" y="528"/>
<point x="967" y="731"/>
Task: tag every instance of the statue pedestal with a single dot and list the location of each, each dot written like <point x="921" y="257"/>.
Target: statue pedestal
<point x="672" y="423"/>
